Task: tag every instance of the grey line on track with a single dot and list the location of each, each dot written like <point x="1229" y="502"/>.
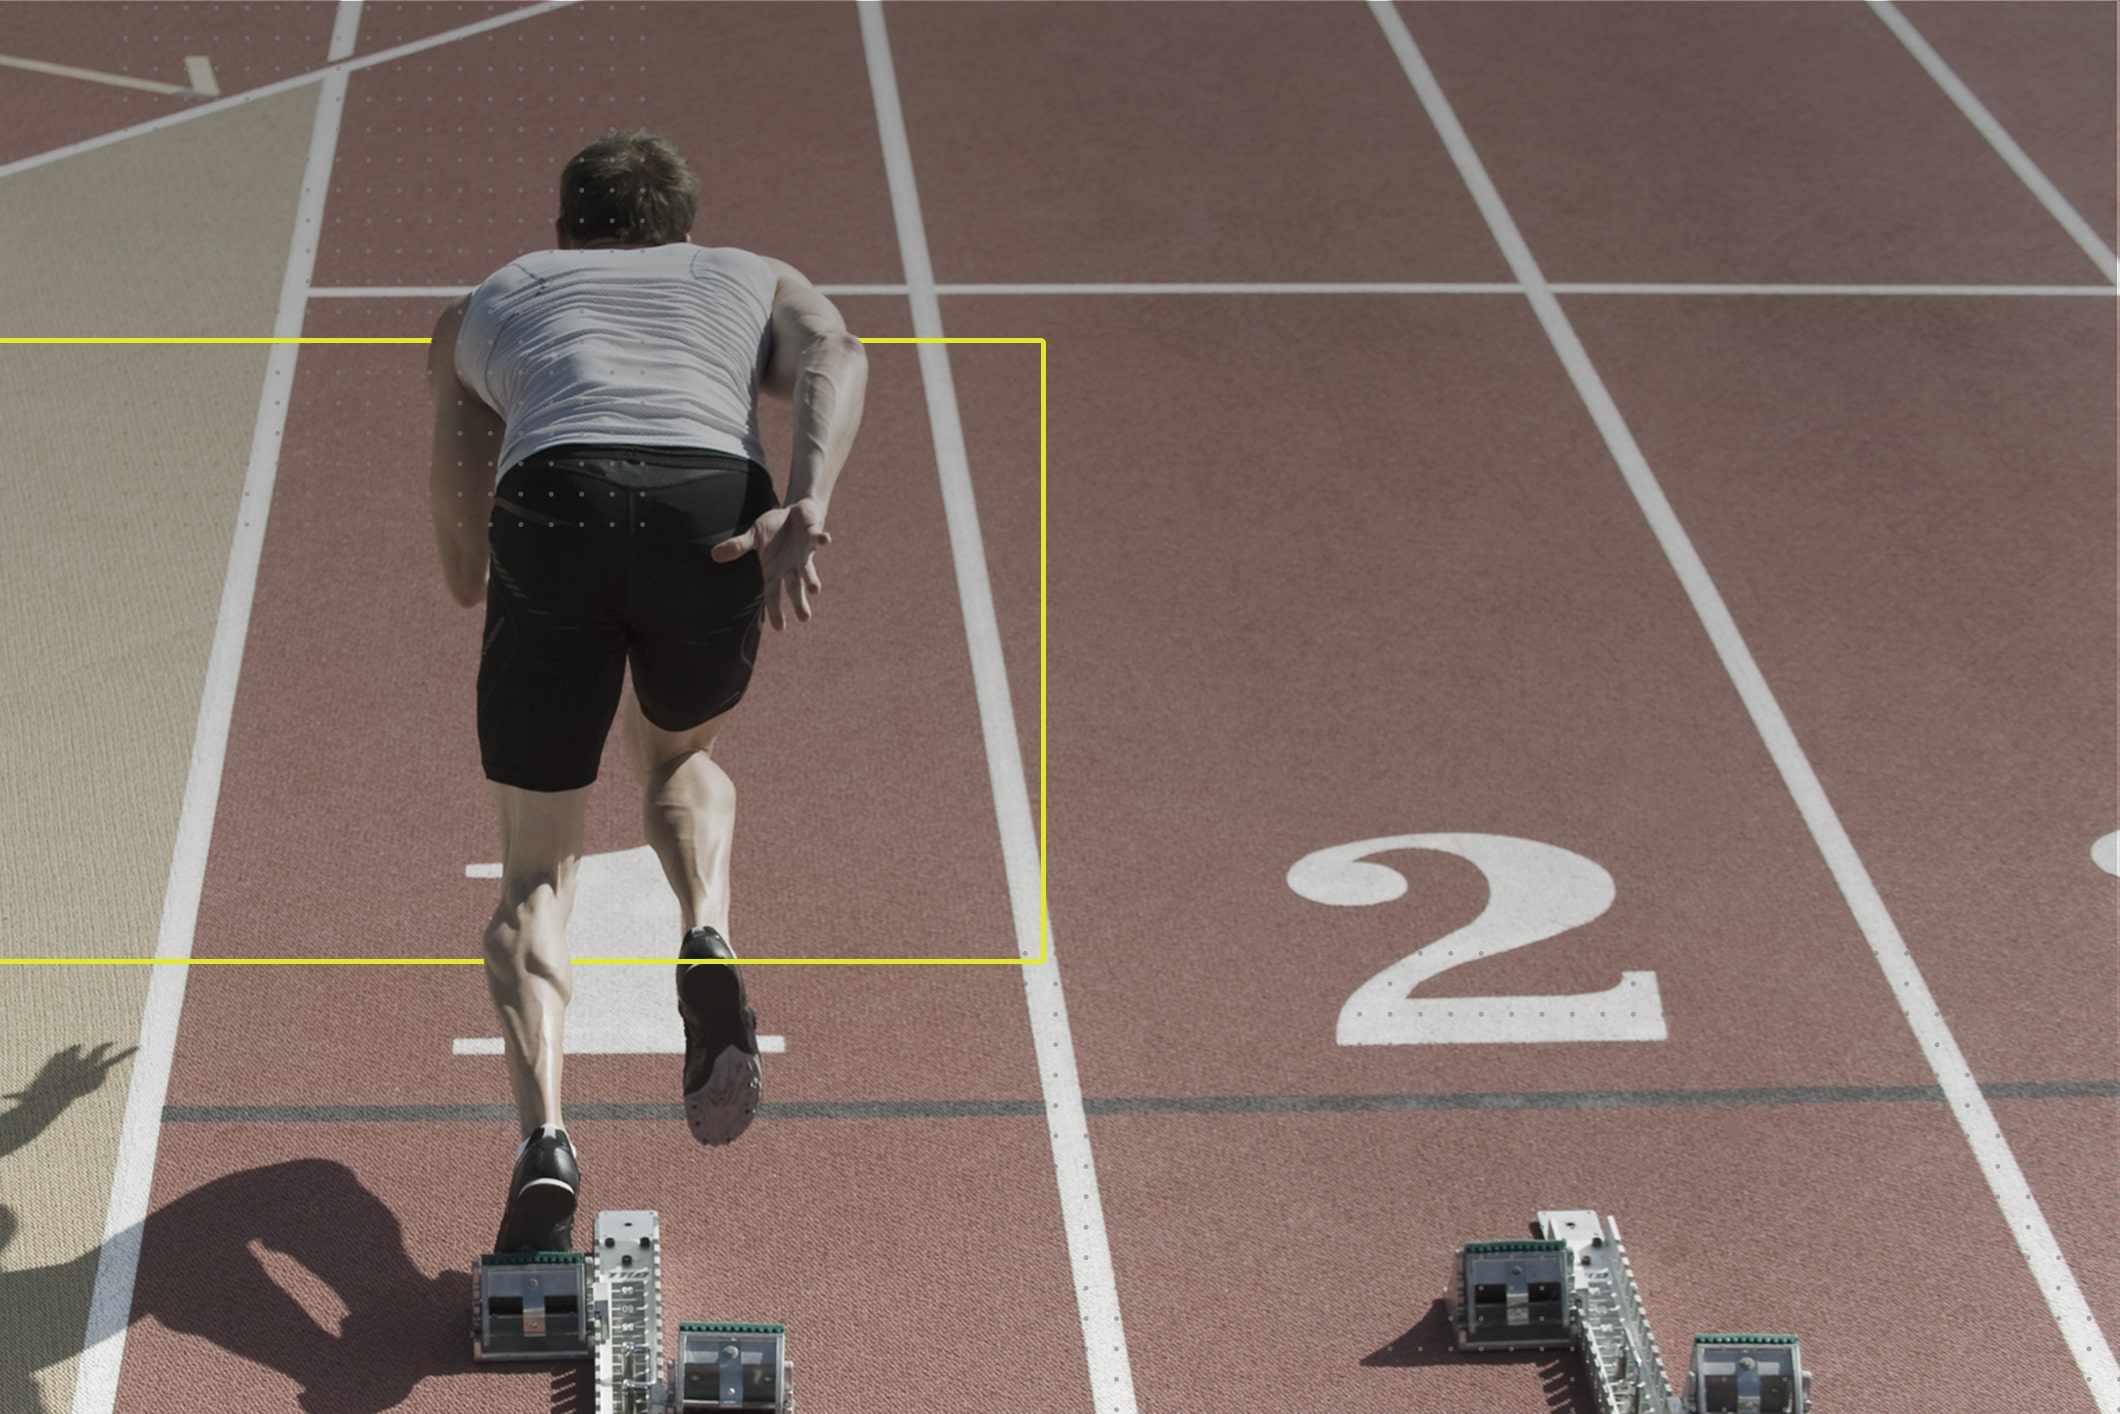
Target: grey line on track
<point x="1171" y="1104"/>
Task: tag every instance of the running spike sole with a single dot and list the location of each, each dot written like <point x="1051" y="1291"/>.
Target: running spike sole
<point x="718" y="1023"/>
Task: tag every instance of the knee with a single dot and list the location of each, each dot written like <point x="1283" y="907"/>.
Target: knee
<point x="718" y="790"/>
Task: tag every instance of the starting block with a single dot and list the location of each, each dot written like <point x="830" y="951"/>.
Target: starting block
<point x="605" y="1305"/>
<point x="1571" y="1286"/>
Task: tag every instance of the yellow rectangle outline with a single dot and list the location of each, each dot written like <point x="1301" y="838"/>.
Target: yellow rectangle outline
<point x="663" y="961"/>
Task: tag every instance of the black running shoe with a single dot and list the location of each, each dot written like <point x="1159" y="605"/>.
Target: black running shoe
<point x="722" y="1084"/>
<point x="541" y="1196"/>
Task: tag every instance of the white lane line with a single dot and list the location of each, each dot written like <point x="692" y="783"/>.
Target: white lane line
<point x="453" y="291"/>
<point x="861" y="289"/>
<point x="110" y="1304"/>
<point x="1332" y="288"/>
<point x="1968" y="291"/>
<point x="1198" y="287"/>
<point x="200" y="70"/>
<point x="1067" y="1124"/>
<point x="279" y="86"/>
<point x="68" y="71"/>
<point x="2005" y="146"/>
<point x="390" y="291"/>
<point x="2020" y="1210"/>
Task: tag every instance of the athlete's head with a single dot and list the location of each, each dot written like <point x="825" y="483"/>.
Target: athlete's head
<point x="627" y="187"/>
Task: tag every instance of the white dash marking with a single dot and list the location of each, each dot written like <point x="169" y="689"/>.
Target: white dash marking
<point x="68" y="71"/>
<point x="202" y="80"/>
<point x="2105" y="852"/>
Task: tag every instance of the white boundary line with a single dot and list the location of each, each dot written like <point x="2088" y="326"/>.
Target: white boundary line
<point x="279" y="86"/>
<point x="1322" y="287"/>
<point x="2005" y="146"/>
<point x="68" y="71"/>
<point x="453" y="291"/>
<point x="1067" y="1124"/>
<point x="2020" y="1210"/>
<point x="110" y="1305"/>
<point x="1861" y="291"/>
<point x="1328" y="288"/>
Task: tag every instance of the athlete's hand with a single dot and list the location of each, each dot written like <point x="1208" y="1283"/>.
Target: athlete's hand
<point x="785" y="541"/>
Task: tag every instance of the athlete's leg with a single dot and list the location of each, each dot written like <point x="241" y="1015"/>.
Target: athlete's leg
<point x="528" y="969"/>
<point x="687" y="810"/>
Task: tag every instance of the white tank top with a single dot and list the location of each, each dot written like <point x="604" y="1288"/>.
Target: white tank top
<point x="655" y="347"/>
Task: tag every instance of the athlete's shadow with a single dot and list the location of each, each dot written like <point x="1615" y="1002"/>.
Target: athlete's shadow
<point x="1430" y="1342"/>
<point x="362" y="1326"/>
<point x="203" y="1271"/>
<point x="42" y="1308"/>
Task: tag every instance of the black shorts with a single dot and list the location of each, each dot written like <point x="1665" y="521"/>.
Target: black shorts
<point x="600" y="560"/>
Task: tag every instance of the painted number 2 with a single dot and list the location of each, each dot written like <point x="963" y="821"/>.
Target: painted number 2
<point x="1534" y="892"/>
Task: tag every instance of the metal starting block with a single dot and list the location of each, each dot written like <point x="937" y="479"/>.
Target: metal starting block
<point x="1572" y="1286"/>
<point x="606" y="1305"/>
<point x="531" y="1306"/>
<point x="1747" y="1374"/>
<point x="732" y="1365"/>
<point x="1515" y="1295"/>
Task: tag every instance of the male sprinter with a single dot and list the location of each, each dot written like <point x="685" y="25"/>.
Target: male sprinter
<point x="616" y="380"/>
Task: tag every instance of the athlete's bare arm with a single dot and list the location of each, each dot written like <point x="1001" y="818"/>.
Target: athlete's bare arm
<point x="467" y="439"/>
<point x="821" y="368"/>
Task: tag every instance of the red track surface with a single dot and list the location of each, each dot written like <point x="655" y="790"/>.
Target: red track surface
<point x="1322" y="569"/>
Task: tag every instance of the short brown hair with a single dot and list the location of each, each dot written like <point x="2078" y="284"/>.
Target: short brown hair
<point x="628" y="186"/>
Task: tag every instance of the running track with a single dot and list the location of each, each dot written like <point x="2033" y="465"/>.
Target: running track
<point x="1790" y="607"/>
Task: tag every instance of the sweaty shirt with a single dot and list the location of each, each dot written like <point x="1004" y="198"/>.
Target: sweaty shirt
<point x="655" y="347"/>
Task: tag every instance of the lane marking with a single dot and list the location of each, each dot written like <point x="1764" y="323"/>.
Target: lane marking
<point x="279" y="86"/>
<point x="457" y="291"/>
<point x="200" y="70"/>
<point x="1963" y="291"/>
<point x="391" y="291"/>
<point x="195" y="64"/>
<point x="1746" y="1098"/>
<point x="1207" y="287"/>
<point x="1297" y="287"/>
<point x="621" y="899"/>
<point x="1535" y="892"/>
<point x="110" y="1304"/>
<point x="1067" y="1126"/>
<point x="2105" y="852"/>
<point x="2057" y="205"/>
<point x="2013" y="1194"/>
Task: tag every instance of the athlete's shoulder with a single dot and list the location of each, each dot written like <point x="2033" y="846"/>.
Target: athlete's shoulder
<point x="532" y="266"/>
<point x="524" y="273"/>
<point x="731" y="258"/>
